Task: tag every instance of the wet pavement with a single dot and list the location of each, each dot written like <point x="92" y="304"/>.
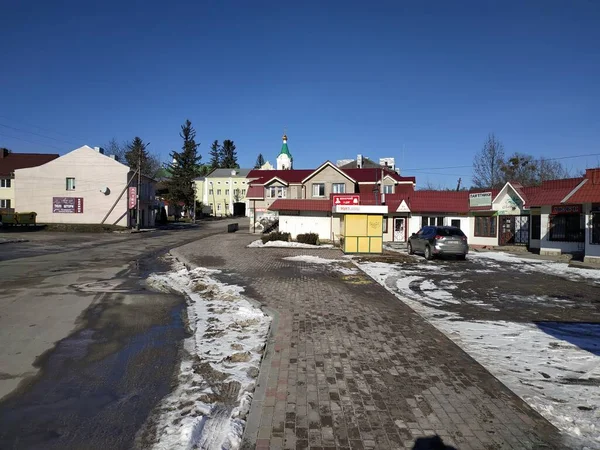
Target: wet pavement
<point x="351" y="367"/>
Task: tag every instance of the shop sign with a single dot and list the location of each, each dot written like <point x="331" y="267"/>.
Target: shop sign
<point x="132" y="196"/>
<point x="346" y="199"/>
<point x="566" y="209"/>
<point x="68" y="205"/>
<point x="480" y="199"/>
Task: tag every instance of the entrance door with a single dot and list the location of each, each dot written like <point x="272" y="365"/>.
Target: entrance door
<point x="399" y="225"/>
<point x="522" y="230"/>
<point x="507" y="230"/>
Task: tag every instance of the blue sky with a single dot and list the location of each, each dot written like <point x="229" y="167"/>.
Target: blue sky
<point x="424" y="82"/>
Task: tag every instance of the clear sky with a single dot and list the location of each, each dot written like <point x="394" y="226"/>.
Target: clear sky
<point x="424" y="82"/>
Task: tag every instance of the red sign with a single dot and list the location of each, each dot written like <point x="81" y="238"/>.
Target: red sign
<point x="132" y="195"/>
<point x="68" y="205"/>
<point x="346" y="200"/>
<point x="566" y="209"/>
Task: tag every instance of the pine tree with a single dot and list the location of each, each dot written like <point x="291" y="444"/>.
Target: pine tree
<point x="132" y="154"/>
<point x="229" y="155"/>
<point x="184" y="168"/>
<point x="215" y="155"/>
<point x="260" y="161"/>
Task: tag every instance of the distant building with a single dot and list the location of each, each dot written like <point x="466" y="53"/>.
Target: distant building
<point x="285" y="161"/>
<point x="9" y="162"/>
<point x="221" y="188"/>
<point x="81" y="187"/>
<point x="363" y="162"/>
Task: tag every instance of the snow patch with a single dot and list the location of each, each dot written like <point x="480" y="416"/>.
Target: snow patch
<point x="284" y="244"/>
<point x="221" y="358"/>
<point x="312" y="259"/>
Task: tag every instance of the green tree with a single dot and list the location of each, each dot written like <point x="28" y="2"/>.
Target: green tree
<point x="136" y="153"/>
<point x="229" y="155"/>
<point x="184" y="168"/>
<point x="487" y="164"/>
<point x="151" y="164"/>
<point x="215" y="155"/>
<point x="520" y="168"/>
<point x="259" y="161"/>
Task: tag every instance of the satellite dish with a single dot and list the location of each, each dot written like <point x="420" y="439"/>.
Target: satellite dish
<point x="105" y="190"/>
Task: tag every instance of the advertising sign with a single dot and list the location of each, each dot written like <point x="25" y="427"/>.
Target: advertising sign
<point x="566" y="209"/>
<point x="70" y="205"/>
<point x="346" y="200"/>
<point x="360" y="209"/>
<point x="480" y="199"/>
<point x="132" y="196"/>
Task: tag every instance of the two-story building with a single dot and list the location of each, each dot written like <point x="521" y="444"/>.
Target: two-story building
<point x="9" y="162"/>
<point x="85" y="187"/>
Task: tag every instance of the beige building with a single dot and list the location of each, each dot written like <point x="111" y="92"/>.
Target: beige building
<point x="85" y="187"/>
<point x="9" y="162"/>
<point x="221" y="188"/>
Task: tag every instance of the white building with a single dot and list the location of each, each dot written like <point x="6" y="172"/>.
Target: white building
<point x="84" y="187"/>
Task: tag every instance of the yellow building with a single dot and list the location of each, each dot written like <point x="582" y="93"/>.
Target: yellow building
<point x="221" y="188"/>
<point x="9" y="162"/>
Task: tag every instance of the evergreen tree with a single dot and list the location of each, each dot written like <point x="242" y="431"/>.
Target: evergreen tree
<point x="259" y="161"/>
<point x="185" y="168"/>
<point x="215" y="155"/>
<point x="229" y="155"/>
<point x="136" y="149"/>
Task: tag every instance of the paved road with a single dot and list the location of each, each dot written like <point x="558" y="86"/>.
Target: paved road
<point x="350" y="366"/>
<point x="87" y="350"/>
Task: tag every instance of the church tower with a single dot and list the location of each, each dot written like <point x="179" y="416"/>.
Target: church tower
<point x="285" y="160"/>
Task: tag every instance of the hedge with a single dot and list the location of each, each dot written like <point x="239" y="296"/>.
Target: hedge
<point x="308" y="238"/>
<point x="275" y="236"/>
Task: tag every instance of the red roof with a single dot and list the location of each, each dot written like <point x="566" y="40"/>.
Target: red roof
<point x="301" y="205"/>
<point x="255" y="192"/>
<point x="438" y="201"/>
<point x="290" y="176"/>
<point x="560" y="184"/>
<point x="12" y="161"/>
<point x="372" y="175"/>
<point x="590" y="191"/>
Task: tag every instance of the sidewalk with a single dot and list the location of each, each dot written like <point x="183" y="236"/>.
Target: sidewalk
<point x="349" y="366"/>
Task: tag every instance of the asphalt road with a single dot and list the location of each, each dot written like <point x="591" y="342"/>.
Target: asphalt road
<point x="87" y="350"/>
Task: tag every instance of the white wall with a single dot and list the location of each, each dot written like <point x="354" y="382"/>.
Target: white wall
<point x="548" y="247"/>
<point x="314" y="223"/>
<point x="36" y="186"/>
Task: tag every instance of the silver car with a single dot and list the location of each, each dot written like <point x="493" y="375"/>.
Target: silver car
<point x="432" y="241"/>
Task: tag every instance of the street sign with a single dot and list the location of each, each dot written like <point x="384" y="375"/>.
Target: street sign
<point x="346" y="200"/>
<point x="132" y="196"/>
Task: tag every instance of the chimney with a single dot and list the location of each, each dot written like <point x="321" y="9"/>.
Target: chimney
<point x="99" y="150"/>
<point x="359" y="161"/>
<point x="593" y="175"/>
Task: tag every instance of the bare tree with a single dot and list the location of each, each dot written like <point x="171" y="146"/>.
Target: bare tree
<point x="487" y="164"/>
<point x="551" y="170"/>
<point x="521" y="168"/>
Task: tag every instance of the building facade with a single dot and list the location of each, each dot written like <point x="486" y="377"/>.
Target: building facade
<point x="221" y="189"/>
<point x="85" y="187"/>
<point x="9" y="162"/>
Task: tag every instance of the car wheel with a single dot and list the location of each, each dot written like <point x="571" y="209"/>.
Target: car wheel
<point x="428" y="254"/>
<point x="410" y="249"/>
<point x="462" y="257"/>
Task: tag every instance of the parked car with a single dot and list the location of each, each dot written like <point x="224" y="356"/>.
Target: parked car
<point x="432" y="241"/>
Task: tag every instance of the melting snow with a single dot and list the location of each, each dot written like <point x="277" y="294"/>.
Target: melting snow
<point x="217" y="374"/>
<point x="259" y="244"/>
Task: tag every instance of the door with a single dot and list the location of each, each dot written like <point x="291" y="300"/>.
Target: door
<point x="522" y="230"/>
<point x="399" y="226"/>
<point x="507" y="230"/>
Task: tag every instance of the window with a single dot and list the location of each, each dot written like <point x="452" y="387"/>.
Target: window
<point x="236" y="192"/>
<point x="536" y="227"/>
<point x="485" y="226"/>
<point x="388" y="189"/>
<point x="318" y="190"/>
<point x="432" y="221"/>
<point x="5" y="182"/>
<point x="276" y="192"/>
<point x="339" y="188"/>
<point x="595" y="230"/>
<point x="567" y="227"/>
<point x="243" y="191"/>
<point x="210" y="192"/>
<point x="455" y="223"/>
<point x="226" y="191"/>
<point x="385" y="224"/>
<point x="70" y="184"/>
<point x="218" y="191"/>
<point x="218" y="207"/>
<point x="4" y="203"/>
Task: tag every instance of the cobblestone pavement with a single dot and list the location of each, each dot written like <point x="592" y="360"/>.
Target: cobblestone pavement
<point x="351" y="367"/>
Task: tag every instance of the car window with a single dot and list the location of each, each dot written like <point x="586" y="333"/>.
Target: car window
<point x="420" y="232"/>
<point x="449" y="232"/>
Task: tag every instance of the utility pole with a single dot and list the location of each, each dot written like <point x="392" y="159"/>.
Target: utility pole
<point x="139" y="187"/>
<point x="458" y="185"/>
